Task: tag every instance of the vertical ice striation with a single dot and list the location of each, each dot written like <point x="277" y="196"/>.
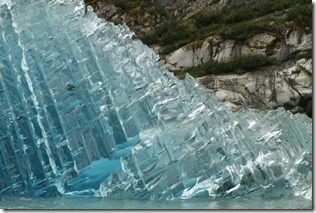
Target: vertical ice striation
<point x="84" y="109"/>
<point x="59" y="112"/>
<point x="209" y="151"/>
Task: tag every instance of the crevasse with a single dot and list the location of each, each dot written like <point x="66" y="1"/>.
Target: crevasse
<point x="87" y="110"/>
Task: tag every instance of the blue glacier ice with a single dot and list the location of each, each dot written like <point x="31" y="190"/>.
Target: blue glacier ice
<point x="87" y="110"/>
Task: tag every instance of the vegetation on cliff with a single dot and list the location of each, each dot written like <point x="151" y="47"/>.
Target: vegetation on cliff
<point x="130" y="6"/>
<point x="267" y="30"/>
<point x="238" y="24"/>
<point x="172" y="32"/>
<point x="239" y="66"/>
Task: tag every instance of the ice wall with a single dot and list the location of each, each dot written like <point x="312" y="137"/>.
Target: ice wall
<point x="85" y="109"/>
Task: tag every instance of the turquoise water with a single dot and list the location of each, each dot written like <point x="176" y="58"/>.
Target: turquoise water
<point x="194" y="203"/>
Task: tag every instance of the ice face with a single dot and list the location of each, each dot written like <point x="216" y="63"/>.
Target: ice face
<point x="85" y="109"/>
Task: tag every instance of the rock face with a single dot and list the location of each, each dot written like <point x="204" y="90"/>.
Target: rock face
<point x="291" y="86"/>
<point x="197" y="53"/>
<point x="215" y="48"/>
<point x="288" y="85"/>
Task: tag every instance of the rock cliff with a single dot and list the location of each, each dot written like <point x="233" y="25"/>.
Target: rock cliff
<point x="280" y="46"/>
<point x="190" y="33"/>
<point x="289" y="85"/>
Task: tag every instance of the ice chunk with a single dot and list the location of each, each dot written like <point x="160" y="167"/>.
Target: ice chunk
<point x="85" y="109"/>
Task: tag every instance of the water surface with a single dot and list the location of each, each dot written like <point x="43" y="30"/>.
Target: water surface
<point x="193" y="203"/>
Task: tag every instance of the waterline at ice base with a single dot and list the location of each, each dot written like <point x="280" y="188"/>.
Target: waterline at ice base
<point x="87" y="110"/>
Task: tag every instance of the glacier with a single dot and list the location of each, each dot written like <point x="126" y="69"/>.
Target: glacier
<point x="85" y="109"/>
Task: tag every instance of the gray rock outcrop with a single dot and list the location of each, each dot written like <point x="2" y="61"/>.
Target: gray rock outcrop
<point x="291" y="86"/>
<point x="217" y="49"/>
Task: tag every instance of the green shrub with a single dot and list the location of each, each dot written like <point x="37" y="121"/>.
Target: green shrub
<point x="306" y="54"/>
<point x="150" y="38"/>
<point x="238" y="24"/>
<point x="208" y="18"/>
<point x="301" y="14"/>
<point x="124" y="5"/>
<point x="241" y="65"/>
<point x="150" y="7"/>
<point x="230" y="16"/>
<point x="153" y="8"/>
<point x="168" y="33"/>
<point x="244" y="30"/>
<point x="241" y="15"/>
